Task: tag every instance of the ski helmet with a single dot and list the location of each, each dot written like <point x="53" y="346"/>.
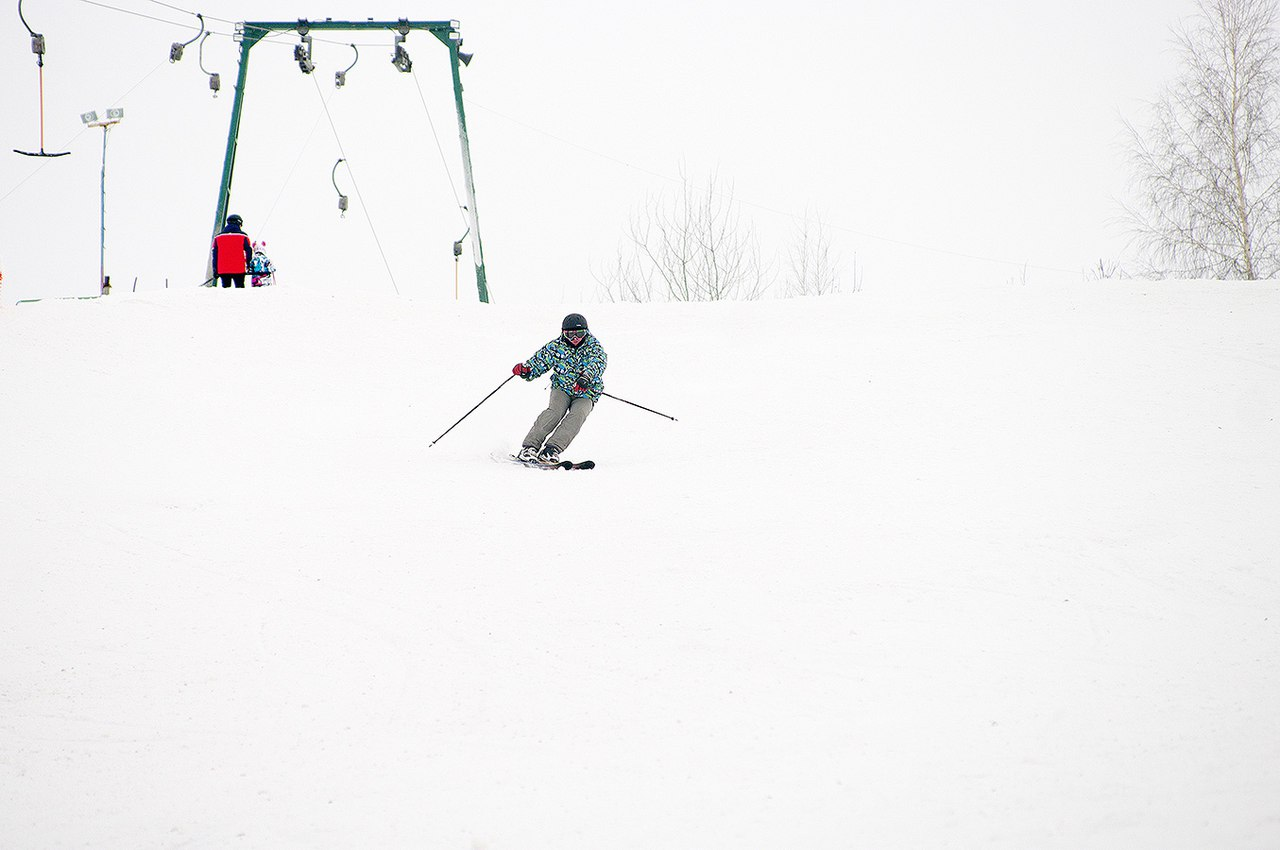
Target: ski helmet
<point x="573" y="329"/>
<point x="574" y="322"/>
<point x="235" y="219"/>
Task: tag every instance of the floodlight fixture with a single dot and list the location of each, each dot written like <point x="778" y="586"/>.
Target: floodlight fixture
<point x="111" y="116"/>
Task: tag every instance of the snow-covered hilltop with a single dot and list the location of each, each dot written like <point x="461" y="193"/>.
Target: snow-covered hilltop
<point x="915" y="568"/>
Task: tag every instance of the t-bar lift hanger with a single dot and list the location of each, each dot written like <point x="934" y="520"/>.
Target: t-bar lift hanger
<point x="37" y="47"/>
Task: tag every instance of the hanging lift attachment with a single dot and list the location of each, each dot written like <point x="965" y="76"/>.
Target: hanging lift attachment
<point x="333" y="175"/>
<point x="37" y="47"/>
<point x="340" y="77"/>
<point x="175" y="49"/>
<point x="215" y="80"/>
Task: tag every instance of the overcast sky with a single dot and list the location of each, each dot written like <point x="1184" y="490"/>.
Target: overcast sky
<point x="961" y="140"/>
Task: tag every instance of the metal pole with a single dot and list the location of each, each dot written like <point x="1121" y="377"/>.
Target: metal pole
<point x="114" y="116"/>
<point x="102" y="214"/>
<point x="471" y="411"/>
<point x="641" y="406"/>
<point x="250" y="37"/>
<point x="477" y="250"/>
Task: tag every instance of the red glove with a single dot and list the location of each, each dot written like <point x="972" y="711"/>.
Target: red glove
<point x="520" y="370"/>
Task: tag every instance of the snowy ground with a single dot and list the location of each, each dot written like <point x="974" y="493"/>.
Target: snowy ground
<point x="915" y="568"/>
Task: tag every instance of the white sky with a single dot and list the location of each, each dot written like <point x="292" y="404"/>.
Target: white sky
<point x="927" y="134"/>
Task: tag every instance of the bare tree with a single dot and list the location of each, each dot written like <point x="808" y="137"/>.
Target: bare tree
<point x="690" y="247"/>
<point x="813" y="268"/>
<point x="1206" y="168"/>
<point x="1106" y="270"/>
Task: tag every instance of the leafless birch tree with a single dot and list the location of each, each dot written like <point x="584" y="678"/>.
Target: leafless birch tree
<point x="813" y="268"/>
<point x="1206" y="169"/>
<point x="692" y="246"/>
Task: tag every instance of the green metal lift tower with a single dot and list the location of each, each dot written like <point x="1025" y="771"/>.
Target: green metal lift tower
<point x="447" y="32"/>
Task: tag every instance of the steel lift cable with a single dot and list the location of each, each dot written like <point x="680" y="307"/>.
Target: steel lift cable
<point x="355" y="184"/>
<point x="443" y="160"/>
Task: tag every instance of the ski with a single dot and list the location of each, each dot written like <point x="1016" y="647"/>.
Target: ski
<point x="564" y="464"/>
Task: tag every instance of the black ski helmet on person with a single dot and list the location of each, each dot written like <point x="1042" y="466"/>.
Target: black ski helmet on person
<point x="574" y="329"/>
<point x="235" y="219"/>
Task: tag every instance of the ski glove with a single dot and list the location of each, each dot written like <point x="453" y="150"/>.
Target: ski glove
<point x="521" y="371"/>
<point x="584" y="383"/>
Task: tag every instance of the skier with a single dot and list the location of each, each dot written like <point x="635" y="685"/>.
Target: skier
<point x="232" y="253"/>
<point x="577" y="361"/>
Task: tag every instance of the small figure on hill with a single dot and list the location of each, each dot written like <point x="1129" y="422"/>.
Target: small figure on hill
<point x="232" y="253"/>
<point x="261" y="269"/>
<point x="577" y="362"/>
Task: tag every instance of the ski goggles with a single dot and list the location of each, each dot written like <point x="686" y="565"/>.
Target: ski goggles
<point x="575" y="335"/>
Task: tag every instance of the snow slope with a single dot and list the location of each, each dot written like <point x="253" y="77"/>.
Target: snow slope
<point x="915" y="568"/>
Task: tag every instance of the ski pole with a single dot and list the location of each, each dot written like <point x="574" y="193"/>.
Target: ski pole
<point x="471" y="411"/>
<point x="641" y="406"/>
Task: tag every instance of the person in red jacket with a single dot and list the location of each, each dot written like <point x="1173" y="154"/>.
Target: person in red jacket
<point x="232" y="253"/>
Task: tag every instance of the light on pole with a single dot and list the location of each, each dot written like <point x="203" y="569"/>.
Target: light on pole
<point x="90" y="119"/>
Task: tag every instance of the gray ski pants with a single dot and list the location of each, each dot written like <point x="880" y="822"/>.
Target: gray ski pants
<point x="560" y="422"/>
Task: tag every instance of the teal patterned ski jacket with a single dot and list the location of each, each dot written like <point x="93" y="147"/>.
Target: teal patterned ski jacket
<point x="566" y="363"/>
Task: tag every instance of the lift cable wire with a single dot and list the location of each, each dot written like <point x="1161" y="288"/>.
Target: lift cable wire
<point x="302" y="149"/>
<point x="794" y="216"/>
<point x="141" y="14"/>
<point x="83" y="130"/>
<point x="462" y="208"/>
<point x="265" y="37"/>
<point x="355" y="184"/>
<point x="184" y="11"/>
